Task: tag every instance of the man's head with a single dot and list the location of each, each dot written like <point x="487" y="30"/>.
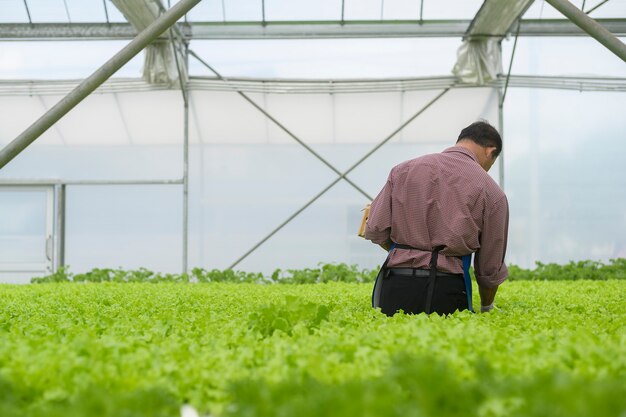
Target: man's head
<point x="483" y="140"/>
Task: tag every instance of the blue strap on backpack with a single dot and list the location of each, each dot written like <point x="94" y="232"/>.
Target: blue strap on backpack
<point x="467" y="260"/>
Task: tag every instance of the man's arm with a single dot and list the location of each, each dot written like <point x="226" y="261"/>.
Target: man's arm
<point x="489" y="261"/>
<point x="487" y="296"/>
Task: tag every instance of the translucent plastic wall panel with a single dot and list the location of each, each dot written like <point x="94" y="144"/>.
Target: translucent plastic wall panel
<point x="229" y="10"/>
<point x="366" y="118"/>
<point x="540" y="9"/>
<point x="575" y="56"/>
<point x="451" y="9"/>
<point x="62" y="60"/>
<point x="154" y="117"/>
<point x="13" y="11"/>
<point x="434" y="130"/>
<point x="107" y="136"/>
<point x="23" y="225"/>
<point x="302" y="10"/>
<point x="312" y="120"/>
<point x="325" y="232"/>
<point x="124" y="226"/>
<point x="75" y="163"/>
<point x="19" y="112"/>
<point x="96" y="120"/>
<point x="225" y="117"/>
<point x="25" y="228"/>
<point x="47" y="11"/>
<point x="610" y="9"/>
<point x="369" y="118"/>
<point x="316" y="119"/>
<point x="206" y="11"/>
<point x="248" y="191"/>
<point x="565" y="175"/>
<point x="327" y="58"/>
<point x="410" y="9"/>
<point x="88" y="10"/>
<point x="241" y="191"/>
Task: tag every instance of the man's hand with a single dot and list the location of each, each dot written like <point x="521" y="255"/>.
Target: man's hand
<point x="487" y="295"/>
<point x="486" y="309"/>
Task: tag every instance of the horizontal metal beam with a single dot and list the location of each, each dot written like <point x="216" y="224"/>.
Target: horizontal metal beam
<point x="7" y="182"/>
<point x="277" y="86"/>
<point x="321" y="30"/>
<point x="293" y="30"/>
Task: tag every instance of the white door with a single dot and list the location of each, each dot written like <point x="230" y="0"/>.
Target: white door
<point x="26" y="232"/>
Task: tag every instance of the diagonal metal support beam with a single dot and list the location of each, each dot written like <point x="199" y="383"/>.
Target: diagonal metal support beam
<point x="593" y="28"/>
<point x="88" y="85"/>
<point x="342" y="176"/>
<point x="508" y="74"/>
<point x="282" y="127"/>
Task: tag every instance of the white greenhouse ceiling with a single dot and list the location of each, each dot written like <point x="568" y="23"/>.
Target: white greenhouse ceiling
<point x="237" y="19"/>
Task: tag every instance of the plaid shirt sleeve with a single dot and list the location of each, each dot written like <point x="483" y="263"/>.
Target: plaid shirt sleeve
<point x="378" y="226"/>
<point x="489" y="260"/>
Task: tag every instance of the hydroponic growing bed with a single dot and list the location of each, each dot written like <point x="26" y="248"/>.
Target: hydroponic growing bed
<point x="551" y="348"/>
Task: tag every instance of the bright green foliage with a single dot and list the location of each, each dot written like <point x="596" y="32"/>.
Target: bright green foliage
<point x="287" y="315"/>
<point x="136" y="349"/>
<point x="588" y="270"/>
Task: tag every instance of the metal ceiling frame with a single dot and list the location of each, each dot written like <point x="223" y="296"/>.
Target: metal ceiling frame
<point x="89" y="84"/>
<point x="293" y="30"/>
<point x="278" y="86"/>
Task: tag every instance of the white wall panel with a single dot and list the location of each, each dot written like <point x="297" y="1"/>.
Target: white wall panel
<point x="17" y="113"/>
<point x="225" y="117"/>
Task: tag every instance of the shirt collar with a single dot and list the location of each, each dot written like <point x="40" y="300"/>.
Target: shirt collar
<point x="462" y="150"/>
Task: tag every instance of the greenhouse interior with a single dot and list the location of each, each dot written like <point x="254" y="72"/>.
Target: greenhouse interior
<point x="250" y="134"/>
<point x="269" y="208"/>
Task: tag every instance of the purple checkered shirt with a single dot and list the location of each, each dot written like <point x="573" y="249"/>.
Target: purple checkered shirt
<point x="444" y="199"/>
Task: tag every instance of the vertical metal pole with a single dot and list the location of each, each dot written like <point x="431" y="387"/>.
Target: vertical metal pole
<point x="60" y="227"/>
<point x="186" y="190"/>
<point x="92" y="82"/>
<point x="263" y="11"/>
<point x="593" y="28"/>
<point x="343" y="10"/>
<point x="501" y="129"/>
<point x="183" y="90"/>
<point x="186" y="174"/>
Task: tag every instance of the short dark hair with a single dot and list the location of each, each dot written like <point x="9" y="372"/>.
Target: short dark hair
<point x="482" y="133"/>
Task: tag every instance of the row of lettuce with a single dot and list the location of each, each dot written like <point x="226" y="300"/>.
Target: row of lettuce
<point x="231" y="350"/>
<point x="341" y="272"/>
